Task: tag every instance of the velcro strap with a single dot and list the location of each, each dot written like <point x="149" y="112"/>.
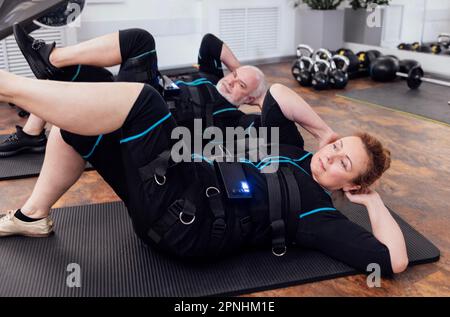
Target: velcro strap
<point x="189" y="208"/>
<point x="167" y="220"/>
<point x="217" y="207"/>
<point x="275" y="205"/>
<point x="295" y="202"/>
<point x="218" y="229"/>
<point x="216" y="204"/>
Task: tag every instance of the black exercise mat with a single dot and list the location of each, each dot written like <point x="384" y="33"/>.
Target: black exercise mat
<point x="429" y="101"/>
<point x="22" y="166"/>
<point x="113" y="262"/>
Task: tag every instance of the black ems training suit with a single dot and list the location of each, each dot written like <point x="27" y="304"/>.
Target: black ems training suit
<point x="176" y="209"/>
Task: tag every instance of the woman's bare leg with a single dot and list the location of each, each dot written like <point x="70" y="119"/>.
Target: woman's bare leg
<point x="34" y="125"/>
<point x="87" y="109"/>
<point x="62" y="168"/>
<point x="103" y="51"/>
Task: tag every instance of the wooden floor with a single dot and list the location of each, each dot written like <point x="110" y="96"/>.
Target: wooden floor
<point x="417" y="185"/>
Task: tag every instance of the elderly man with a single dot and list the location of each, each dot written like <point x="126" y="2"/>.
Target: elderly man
<point x="135" y="51"/>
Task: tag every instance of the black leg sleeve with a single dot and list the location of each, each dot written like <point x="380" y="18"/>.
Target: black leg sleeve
<point x="139" y="58"/>
<point x="135" y="42"/>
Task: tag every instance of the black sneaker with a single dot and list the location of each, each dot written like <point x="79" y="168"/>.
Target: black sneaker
<point x="37" y="53"/>
<point x="20" y="142"/>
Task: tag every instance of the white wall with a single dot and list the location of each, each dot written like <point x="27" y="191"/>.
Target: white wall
<point x="178" y="25"/>
<point x="175" y="24"/>
<point x="437" y="19"/>
<point x="286" y="32"/>
<point x="411" y="20"/>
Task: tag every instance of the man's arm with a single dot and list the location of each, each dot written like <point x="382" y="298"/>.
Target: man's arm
<point x="298" y="110"/>
<point x="229" y="59"/>
<point x="385" y="228"/>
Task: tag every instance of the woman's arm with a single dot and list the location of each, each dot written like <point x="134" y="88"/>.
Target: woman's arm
<point x="385" y="228"/>
<point x="296" y="109"/>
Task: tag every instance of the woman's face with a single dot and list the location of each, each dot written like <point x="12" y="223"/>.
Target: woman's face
<point x="336" y="165"/>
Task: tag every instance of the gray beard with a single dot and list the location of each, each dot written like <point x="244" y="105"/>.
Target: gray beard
<point x="224" y="95"/>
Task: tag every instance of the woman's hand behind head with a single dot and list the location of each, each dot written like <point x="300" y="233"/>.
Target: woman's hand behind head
<point x="363" y="198"/>
<point x="331" y="138"/>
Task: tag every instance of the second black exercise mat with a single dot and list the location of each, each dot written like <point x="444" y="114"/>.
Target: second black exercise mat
<point x="98" y="242"/>
<point x="21" y="166"/>
<point x="429" y="101"/>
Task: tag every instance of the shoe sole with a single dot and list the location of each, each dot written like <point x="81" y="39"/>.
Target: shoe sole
<point x="31" y="150"/>
<point x="37" y="236"/>
<point x="35" y="68"/>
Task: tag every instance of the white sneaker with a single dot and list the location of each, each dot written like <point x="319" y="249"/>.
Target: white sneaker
<point x="11" y="226"/>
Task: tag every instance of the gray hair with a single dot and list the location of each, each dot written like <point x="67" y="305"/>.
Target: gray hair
<point x="262" y="87"/>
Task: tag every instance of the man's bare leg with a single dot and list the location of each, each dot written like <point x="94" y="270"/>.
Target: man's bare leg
<point x="87" y="109"/>
<point x="103" y="51"/>
<point x="62" y="167"/>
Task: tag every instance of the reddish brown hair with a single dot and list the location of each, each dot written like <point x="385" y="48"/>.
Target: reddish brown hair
<point x="379" y="161"/>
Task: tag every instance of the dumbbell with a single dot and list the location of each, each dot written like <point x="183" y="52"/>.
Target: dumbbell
<point x="433" y="48"/>
<point x="415" y="78"/>
<point x="404" y="47"/>
<point x="388" y="68"/>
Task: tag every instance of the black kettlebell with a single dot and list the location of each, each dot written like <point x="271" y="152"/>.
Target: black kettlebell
<point x="304" y="48"/>
<point x="354" y="61"/>
<point x="320" y="79"/>
<point x="306" y="70"/>
<point x="298" y="70"/>
<point x="322" y="54"/>
<point x="404" y="46"/>
<point x="338" y="76"/>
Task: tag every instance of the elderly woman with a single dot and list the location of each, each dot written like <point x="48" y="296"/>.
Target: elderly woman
<point x="124" y="131"/>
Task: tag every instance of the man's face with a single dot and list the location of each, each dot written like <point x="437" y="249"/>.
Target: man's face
<point x="237" y="86"/>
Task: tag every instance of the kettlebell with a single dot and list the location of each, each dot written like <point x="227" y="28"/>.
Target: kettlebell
<point x="338" y="76"/>
<point x="303" y="50"/>
<point x="320" y="80"/>
<point x="306" y="68"/>
<point x="322" y="54"/>
<point x="296" y="68"/>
